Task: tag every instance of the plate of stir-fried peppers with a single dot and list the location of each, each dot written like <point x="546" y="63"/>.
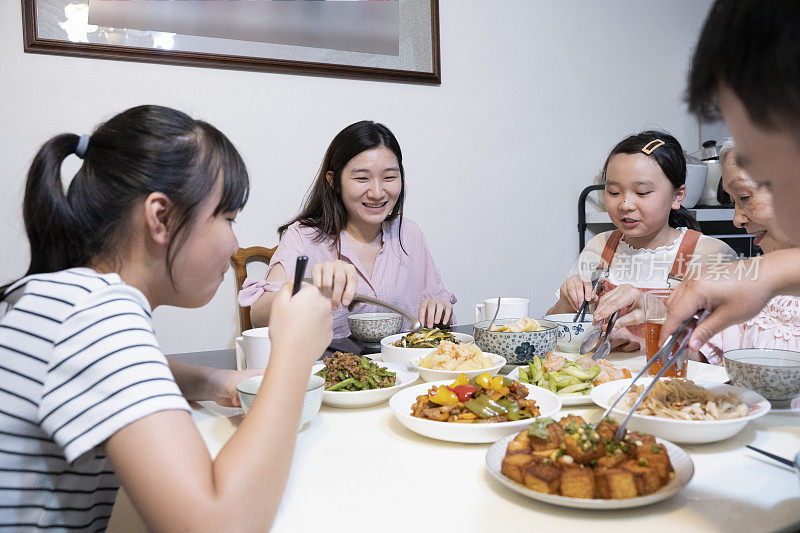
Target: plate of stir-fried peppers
<point x="480" y="409"/>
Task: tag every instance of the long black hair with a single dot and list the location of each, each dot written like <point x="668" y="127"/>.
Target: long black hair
<point x="323" y="208"/>
<point x="142" y="150"/>
<point x="668" y="154"/>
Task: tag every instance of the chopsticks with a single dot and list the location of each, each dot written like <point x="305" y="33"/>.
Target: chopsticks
<point x="597" y="275"/>
<point x="778" y="458"/>
<point x="667" y="358"/>
<point x="299" y="272"/>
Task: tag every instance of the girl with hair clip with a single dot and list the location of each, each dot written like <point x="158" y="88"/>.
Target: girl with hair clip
<point x="353" y="231"/>
<point x="656" y="243"/>
<point x="88" y="399"/>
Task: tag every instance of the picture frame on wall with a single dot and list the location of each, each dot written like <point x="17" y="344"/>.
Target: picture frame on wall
<point x="396" y="40"/>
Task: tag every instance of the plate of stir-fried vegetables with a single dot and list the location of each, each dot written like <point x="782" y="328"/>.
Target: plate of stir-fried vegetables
<point x="480" y="409"/>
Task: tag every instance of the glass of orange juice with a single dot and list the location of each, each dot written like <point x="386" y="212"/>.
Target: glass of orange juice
<point x="655" y="312"/>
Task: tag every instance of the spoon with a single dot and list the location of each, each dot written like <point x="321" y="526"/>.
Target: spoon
<point x="605" y="347"/>
<point x="495" y="315"/>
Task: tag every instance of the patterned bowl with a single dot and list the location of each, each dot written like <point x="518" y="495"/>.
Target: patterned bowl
<point x="774" y="374"/>
<point x="372" y="327"/>
<point x="517" y="348"/>
<point x="571" y="334"/>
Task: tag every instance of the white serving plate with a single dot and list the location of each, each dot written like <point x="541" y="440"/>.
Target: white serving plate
<point x="571" y="401"/>
<point x="365" y="398"/>
<point x="430" y="374"/>
<point x="681" y="463"/>
<point x="685" y="431"/>
<point x="395" y="354"/>
<point x="548" y="403"/>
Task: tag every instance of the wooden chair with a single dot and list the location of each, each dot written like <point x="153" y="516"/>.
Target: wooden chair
<point x="240" y="260"/>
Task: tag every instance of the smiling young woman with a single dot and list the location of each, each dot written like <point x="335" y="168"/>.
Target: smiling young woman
<point x="353" y="231"/>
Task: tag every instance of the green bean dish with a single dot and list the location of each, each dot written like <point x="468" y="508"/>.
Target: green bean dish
<point x="426" y="338"/>
<point x="349" y="372"/>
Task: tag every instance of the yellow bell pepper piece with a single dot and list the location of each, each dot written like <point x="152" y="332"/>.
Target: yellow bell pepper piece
<point x="484" y="380"/>
<point x="460" y="380"/>
<point x="444" y="396"/>
<point x="497" y="382"/>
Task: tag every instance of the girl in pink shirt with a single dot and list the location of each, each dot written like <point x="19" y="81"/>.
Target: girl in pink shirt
<point x="353" y="231"/>
<point x="778" y="324"/>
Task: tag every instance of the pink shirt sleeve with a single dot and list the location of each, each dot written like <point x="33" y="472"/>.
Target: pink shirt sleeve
<point x="290" y="247"/>
<point x="728" y="339"/>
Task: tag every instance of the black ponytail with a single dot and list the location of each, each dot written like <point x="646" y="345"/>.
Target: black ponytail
<point x="682" y="218"/>
<point x="142" y="150"/>
<point x="666" y="151"/>
<point x="49" y="221"/>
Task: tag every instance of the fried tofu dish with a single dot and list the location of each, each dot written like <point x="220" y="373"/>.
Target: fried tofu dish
<point x="579" y="460"/>
<point x="478" y="400"/>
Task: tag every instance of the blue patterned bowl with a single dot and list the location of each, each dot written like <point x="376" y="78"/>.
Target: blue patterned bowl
<point x="517" y="348"/>
<point x="571" y="334"/>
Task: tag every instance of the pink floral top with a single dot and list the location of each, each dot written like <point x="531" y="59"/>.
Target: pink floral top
<point x="403" y="278"/>
<point x="776" y="326"/>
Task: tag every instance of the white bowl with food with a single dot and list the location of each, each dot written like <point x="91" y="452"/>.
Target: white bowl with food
<point x="678" y="427"/>
<point x="401" y="405"/>
<point x="370" y="396"/>
<point x="571" y="334"/>
<point x="400" y="354"/>
<point x="248" y="389"/>
<point x="450" y="360"/>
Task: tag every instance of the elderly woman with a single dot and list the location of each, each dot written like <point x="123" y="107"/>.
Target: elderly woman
<point x="778" y="324"/>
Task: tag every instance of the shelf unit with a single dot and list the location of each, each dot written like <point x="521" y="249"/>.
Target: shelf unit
<point x="714" y="221"/>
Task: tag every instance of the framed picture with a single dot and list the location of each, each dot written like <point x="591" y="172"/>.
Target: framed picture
<point x="385" y="39"/>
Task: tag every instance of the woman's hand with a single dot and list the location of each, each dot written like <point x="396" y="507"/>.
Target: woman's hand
<point x="433" y="311"/>
<point x="622" y="340"/>
<point x="624" y="298"/>
<point x="300" y="324"/>
<point x="337" y="280"/>
<point x="574" y="291"/>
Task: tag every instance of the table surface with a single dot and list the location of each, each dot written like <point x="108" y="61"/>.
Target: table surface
<point x="360" y="469"/>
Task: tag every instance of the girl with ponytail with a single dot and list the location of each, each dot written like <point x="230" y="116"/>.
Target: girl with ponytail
<point x="89" y="400"/>
<point x="657" y="241"/>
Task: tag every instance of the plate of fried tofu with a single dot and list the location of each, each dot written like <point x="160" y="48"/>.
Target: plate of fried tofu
<point x="575" y="464"/>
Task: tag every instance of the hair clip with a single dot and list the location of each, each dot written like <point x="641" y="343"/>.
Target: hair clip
<point x="652" y="145"/>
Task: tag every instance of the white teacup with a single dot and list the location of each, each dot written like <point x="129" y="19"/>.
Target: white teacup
<point x="253" y="348"/>
<point x="509" y="308"/>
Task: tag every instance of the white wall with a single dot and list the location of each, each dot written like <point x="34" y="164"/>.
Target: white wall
<point x="534" y="94"/>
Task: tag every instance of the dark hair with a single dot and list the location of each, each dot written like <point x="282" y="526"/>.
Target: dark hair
<point x="752" y="47"/>
<point x="142" y="150"/>
<point x="323" y="208"/>
<point x="669" y="157"/>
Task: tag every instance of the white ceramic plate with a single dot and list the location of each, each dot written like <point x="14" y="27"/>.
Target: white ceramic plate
<point x="686" y="431"/>
<point x="681" y="463"/>
<point x="548" y="403"/>
<point x="571" y="401"/>
<point x="365" y="398"/>
<point x="395" y="354"/>
<point x="429" y="374"/>
<point x="566" y="401"/>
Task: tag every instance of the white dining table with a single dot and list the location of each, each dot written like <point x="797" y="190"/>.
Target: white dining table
<point x="361" y="470"/>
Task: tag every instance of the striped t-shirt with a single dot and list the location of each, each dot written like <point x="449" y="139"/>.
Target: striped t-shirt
<point x="78" y="361"/>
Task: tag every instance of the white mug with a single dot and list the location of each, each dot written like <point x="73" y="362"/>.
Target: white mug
<point x="252" y="349"/>
<point x="509" y="308"/>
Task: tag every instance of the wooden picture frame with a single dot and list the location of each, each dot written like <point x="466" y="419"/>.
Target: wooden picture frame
<point x="47" y="29"/>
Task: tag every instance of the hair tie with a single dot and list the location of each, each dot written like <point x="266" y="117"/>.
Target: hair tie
<point x="652" y="145"/>
<point x="83" y="144"/>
